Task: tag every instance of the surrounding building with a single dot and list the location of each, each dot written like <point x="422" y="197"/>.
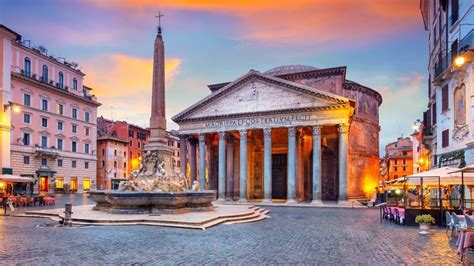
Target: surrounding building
<point x="448" y="122"/>
<point x="421" y="155"/>
<point x="399" y="158"/>
<point x="291" y="133"/>
<point x="48" y="120"/>
<point x="112" y="163"/>
<point x="120" y="150"/>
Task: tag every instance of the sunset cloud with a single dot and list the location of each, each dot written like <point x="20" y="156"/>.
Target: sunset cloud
<point x="123" y="83"/>
<point x="305" y="22"/>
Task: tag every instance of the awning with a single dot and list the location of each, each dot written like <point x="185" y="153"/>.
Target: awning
<point x="446" y="176"/>
<point x="16" y="178"/>
<point x="467" y="169"/>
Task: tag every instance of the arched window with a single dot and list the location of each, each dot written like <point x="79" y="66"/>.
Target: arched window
<point x="60" y="80"/>
<point x="27" y="66"/>
<point x="44" y="75"/>
<point x="460" y="105"/>
<point x="74" y="84"/>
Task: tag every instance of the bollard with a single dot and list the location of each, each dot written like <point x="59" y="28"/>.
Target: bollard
<point x="68" y="214"/>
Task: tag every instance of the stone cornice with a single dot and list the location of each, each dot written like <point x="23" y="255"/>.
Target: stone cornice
<point x="274" y="112"/>
<point x="363" y="89"/>
<point x="52" y="88"/>
<point x="326" y="72"/>
<point x="270" y="79"/>
<point x="365" y="120"/>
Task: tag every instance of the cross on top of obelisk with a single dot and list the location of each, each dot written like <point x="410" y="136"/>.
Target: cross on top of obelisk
<point x="159" y="21"/>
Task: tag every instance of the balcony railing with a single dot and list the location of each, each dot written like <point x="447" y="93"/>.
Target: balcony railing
<point x="46" y="151"/>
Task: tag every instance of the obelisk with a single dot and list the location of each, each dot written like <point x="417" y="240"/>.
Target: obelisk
<point x="158" y="142"/>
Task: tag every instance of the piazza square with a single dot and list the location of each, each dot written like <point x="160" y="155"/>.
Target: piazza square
<point x="163" y="132"/>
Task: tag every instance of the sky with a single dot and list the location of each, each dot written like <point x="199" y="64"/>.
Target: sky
<point x="383" y="44"/>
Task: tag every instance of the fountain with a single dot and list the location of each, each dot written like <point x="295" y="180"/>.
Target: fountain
<point x="157" y="187"/>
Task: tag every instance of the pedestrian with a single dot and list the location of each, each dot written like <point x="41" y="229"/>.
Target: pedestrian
<point x="5" y="205"/>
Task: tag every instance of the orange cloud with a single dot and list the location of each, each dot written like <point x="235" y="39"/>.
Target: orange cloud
<point x="125" y="81"/>
<point x="306" y="22"/>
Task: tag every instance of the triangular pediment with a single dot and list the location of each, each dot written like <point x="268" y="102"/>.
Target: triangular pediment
<point x="259" y="93"/>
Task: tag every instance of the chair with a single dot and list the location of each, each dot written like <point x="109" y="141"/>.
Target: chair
<point x="449" y="222"/>
<point x="469" y="221"/>
<point x="385" y="213"/>
<point x="397" y="216"/>
<point x="456" y="223"/>
<point x="41" y="200"/>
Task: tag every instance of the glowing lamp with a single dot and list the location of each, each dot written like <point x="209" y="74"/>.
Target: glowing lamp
<point x="397" y="191"/>
<point x="421" y="160"/>
<point x="459" y="61"/>
<point x="16" y="109"/>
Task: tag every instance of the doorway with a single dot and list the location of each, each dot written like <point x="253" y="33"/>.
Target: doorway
<point x="279" y="176"/>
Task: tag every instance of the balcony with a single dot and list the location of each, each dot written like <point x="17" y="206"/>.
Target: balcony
<point x="46" y="151"/>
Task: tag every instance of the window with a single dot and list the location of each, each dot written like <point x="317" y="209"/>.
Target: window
<point x="131" y="143"/>
<point x="434" y="114"/>
<point x="59" y="183"/>
<point x="115" y="152"/>
<point x="86" y="184"/>
<point x="44" y="161"/>
<point x="26" y="159"/>
<point x="445" y="138"/>
<point x="86" y="148"/>
<point x="26" y="99"/>
<point x="60" y="144"/>
<point x="396" y="162"/>
<point x="74" y="146"/>
<point x="74" y="128"/>
<point x="44" y="75"/>
<point x="27" y="67"/>
<point x="26" y="118"/>
<point x="73" y="164"/>
<point x="86" y="131"/>
<point x="60" y="125"/>
<point x="60" y="162"/>
<point x="125" y="154"/>
<point x="454" y="11"/>
<point x="87" y="116"/>
<point x="130" y="133"/>
<point x="404" y="162"/>
<point x="26" y="139"/>
<point x="404" y="168"/>
<point x="103" y="163"/>
<point x="396" y="169"/>
<point x="44" y="104"/>
<point x="86" y="165"/>
<point x="138" y="144"/>
<point x="60" y="80"/>
<point x="74" y="113"/>
<point x="125" y="165"/>
<point x="444" y="98"/>
<point x="44" y="141"/>
<point x="73" y="186"/>
<point x="74" y="83"/>
<point x="44" y="122"/>
<point x="103" y="152"/>
<point x="131" y="155"/>
<point x="115" y="164"/>
<point x="60" y="109"/>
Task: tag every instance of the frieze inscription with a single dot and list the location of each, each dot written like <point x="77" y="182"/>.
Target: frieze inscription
<point x="258" y="121"/>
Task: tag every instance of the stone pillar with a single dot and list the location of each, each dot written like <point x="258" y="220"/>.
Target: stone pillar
<point x="230" y="167"/>
<point x="267" y="165"/>
<point x="316" y="165"/>
<point x="202" y="161"/>
<point x="192" y="161"/>
<point x="343" y="130"/>
<point x="221" y="161"/>
<point x="243" y="165"/>
<point x="182" y="154"/>
<point x="291" y="191"/>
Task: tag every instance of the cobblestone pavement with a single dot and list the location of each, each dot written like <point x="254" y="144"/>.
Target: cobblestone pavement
<point x="291" y="235"/>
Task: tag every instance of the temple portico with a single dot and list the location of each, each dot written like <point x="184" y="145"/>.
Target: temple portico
<point x="291" y="134"/>
<point x="272" y="163"/>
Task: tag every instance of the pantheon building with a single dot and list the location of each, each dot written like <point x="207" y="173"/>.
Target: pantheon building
<point x="292" y="133"/>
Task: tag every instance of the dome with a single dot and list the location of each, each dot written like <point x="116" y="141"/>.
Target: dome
<point x="289" y="69"/>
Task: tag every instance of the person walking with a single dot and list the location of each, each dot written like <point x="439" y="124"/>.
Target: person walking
<point x="5" y="205"/>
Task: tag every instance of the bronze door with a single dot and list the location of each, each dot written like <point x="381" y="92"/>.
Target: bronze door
<point x="279" y="178"/>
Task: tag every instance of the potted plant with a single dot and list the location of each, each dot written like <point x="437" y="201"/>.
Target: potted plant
<point x="425" y="220"/>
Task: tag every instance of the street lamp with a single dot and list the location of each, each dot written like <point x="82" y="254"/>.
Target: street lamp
<point x="15" y="107"/>
<point x="459" y="60"/>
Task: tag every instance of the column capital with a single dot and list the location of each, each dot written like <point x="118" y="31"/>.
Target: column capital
<point x="183" y="137"/>
<point x="267" y="132"/>
<point x="343" y="128"/>
<point x="202" y="136"/>
<point x="317" y="130"/>
<point x="291" y="132"/>
<point x="221" y="134"/>
<point x="243" y="133"/>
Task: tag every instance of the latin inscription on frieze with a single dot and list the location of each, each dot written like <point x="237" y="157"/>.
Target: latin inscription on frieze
<point x="259" y="121"/>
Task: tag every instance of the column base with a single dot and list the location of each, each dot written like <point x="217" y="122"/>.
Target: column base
<point x="290" y="201"/>
<point x="317" y="202"/>
<point x="267" y="201"/>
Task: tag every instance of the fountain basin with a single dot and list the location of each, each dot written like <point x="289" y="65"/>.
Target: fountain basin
<point x="137" y="202"/>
